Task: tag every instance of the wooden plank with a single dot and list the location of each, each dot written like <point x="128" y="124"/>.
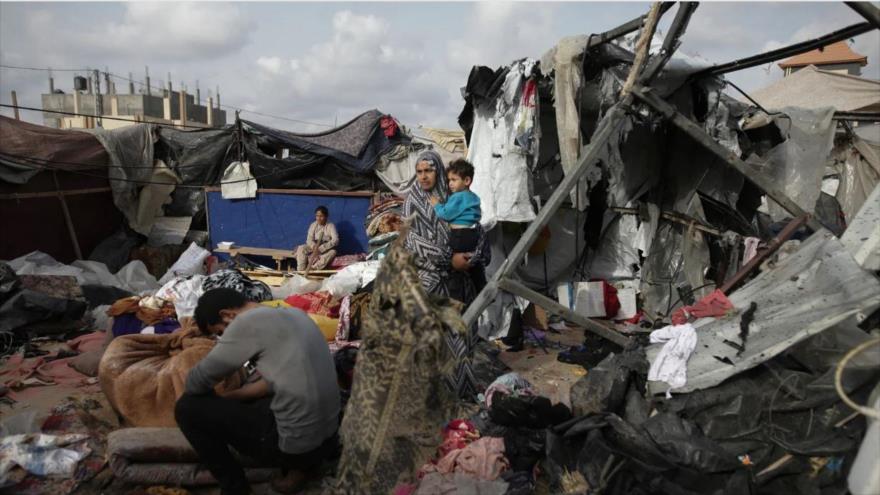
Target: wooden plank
<point x="277" y="254"/>
<point x="612" y="120"/>
<point x="307" y="192"/>
<point x="554" y="307"/>
<point x="54" y="194"/>
<point x="698" y="134"/>
<point x="67" y="219"/>
<point x="624" y="29"/>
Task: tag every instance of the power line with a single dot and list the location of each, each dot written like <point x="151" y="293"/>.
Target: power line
<point x="90" y="165"/>
<point x="50" y="69"/>
<point x="104" y="117"/>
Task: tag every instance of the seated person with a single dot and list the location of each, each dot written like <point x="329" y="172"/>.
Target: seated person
<point x="320" y="247"/>
<point x="462" y="211"/>
<point x="287" y="419"/>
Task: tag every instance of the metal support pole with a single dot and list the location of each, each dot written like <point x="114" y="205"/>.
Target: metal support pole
<point x="788" y="51"/>
<point x="670" y="43"/>
<point x="759" y="258"/>
<point x="868" y="11"/>
<point x="554" y="307"/>
<point x="699" y="135"/>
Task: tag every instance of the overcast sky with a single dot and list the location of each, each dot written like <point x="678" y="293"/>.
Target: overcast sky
<point x="327" y="62"/>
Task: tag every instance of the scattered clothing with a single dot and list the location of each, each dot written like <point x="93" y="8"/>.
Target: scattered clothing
<point x="483" y="459"/>
<point x="457" y="434"/>
<point x="715" y="304"/>
<point x="319" y="303"/>
<point x="42" y="455"/>
<point x="527" y="411"/>
<point x="670" y="365"/>
<point x="252" y="290"/>
<point x="751" y="248"/>
<point x="456" y="483"/>
<point x="508" y="384"/>
<point x="343" y="261"/>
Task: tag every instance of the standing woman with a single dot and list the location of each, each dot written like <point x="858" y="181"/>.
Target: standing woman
<point x="428" y="239"/>
<point x="320" y="247"/>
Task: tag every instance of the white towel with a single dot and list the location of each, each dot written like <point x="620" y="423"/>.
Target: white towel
<point x="670" y="365"/>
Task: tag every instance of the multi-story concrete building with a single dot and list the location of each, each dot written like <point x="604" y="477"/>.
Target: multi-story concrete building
<point x="164" y="106"/>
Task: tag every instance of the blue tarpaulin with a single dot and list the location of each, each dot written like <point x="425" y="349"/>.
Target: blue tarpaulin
<point x="281" y="220"/>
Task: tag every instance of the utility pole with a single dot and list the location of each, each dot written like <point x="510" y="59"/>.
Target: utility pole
<point x="15" y="106"/>
<point x="147" y="79"/>
<point x="99" y="101"/>
<point x="51" y="82"/>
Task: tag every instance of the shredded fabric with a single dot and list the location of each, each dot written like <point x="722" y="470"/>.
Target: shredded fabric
<point x="670" y="365"/>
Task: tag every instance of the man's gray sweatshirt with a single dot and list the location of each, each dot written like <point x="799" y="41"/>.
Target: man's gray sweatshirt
<point x="291" y="354"/>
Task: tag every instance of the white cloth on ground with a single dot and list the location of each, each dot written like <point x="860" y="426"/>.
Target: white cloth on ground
<point x="670" y="365"/>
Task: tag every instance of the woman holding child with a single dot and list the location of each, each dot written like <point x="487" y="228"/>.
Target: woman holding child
<point x="442" y="270"/>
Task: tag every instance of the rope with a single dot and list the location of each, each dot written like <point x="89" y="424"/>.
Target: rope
<point x="838" y="375"/>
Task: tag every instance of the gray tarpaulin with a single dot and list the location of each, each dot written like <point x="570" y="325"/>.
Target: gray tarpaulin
<point x="131" y="164"/>
<point x="813" y="289"/>
<point x="857" y="163"/>
<point x="797" y="164"/>
<point x="199" y="157"/>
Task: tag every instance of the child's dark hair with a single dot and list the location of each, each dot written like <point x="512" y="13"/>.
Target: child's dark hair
<point x="461" y="168"/>
<point x="322" y="209"/>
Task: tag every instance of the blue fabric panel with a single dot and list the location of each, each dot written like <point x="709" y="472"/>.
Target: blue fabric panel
<point x="281" y="221"/>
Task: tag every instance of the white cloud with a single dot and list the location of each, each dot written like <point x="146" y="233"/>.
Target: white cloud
<point x="270" y="64"/>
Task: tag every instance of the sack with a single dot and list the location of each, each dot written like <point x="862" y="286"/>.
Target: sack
<point x="294" y="286"/>
<point x="144" y="375"/>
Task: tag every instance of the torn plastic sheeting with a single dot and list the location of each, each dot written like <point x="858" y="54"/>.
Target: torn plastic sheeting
<point x="857" y="163"/>
<point x="199" y="158"/>
<point x="133" y="277"/>
<point x="809" y="291"/>
<point x="677" y="258"/>
<point x="797" y="164"/>
<point x="557" y="263"/>
<point x="152" y="196"/>
<point x="131" y="158"/>
<point x="618" y="256"/>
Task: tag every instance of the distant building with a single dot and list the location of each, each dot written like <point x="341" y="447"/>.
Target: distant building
<point x="836" y="57"/>
<point x="156" y="106"/>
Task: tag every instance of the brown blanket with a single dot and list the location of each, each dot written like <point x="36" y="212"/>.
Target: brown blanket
<point x="144" y="375"/>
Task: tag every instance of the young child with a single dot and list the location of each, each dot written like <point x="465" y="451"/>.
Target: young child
<point x="462" y="211"/>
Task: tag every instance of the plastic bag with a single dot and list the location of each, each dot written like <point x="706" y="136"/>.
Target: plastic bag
<point x="189" y="263"/>
<point x="342" y="284"/>
<point x="294" y="286"/>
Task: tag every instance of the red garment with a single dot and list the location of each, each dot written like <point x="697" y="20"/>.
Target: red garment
<point x="715" y="304"/>
<point x="389" y="125"/>
<point x="457" y="435"/>
<point x="318" y="303"/>
<point x="609" y="298"/>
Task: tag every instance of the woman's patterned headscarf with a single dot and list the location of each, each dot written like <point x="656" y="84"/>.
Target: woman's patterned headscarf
<point x="427" y="237"/>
